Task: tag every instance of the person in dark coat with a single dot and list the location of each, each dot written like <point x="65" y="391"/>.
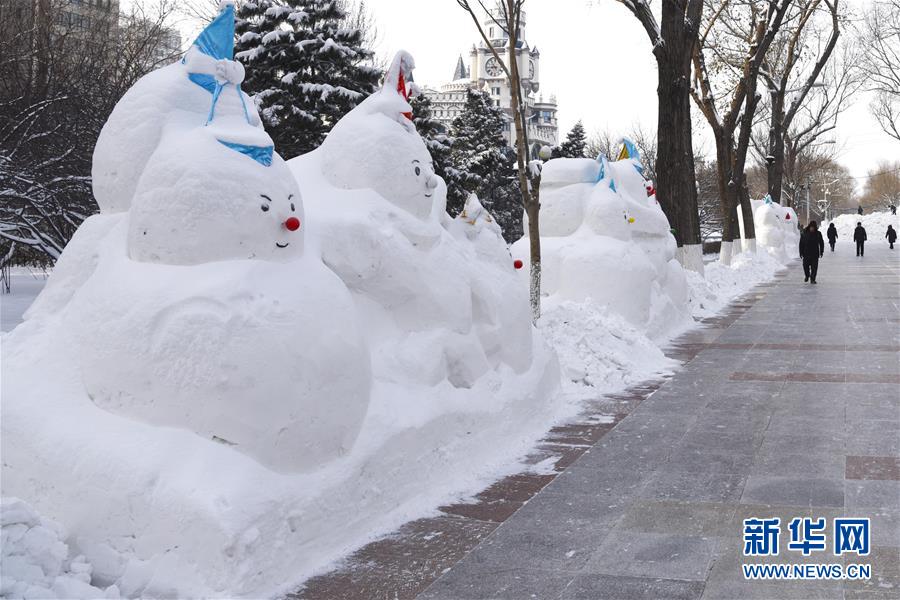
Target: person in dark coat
<point x="893" y="209"/>
<point x="859" y="236"/>
<point x="891" y="236"/>
<point x="832" y="235"/>
<point x="812" y="247"/>
<point x="859" y="209"/>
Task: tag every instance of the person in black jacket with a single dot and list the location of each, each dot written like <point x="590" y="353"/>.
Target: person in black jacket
<point x="812" y="247"/>
<point x="891" y="236"/>
<point x="832" y="235"/>
<point x="859" y="236"/>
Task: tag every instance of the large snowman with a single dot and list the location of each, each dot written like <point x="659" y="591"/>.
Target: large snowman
<point x="776" y="228"/>
<point x="191" y="298"/>
<point x="439" y="295"/>
<point x="605" y="238"/>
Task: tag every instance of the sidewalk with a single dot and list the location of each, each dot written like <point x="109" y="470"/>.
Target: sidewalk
<point x="789" y="407"/>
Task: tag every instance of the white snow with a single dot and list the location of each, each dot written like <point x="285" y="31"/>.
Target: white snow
<point x="36" y="560"/>
<point x="25" y="284"/>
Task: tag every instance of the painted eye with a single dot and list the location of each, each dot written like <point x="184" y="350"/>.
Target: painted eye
<point x="418" y="171"/>
<point x="264" y="207"/>
<point x="292" y="207"/>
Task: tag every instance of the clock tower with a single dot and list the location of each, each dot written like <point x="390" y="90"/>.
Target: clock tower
<point x="485" y="73"/>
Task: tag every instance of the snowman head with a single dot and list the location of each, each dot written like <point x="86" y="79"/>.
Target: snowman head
<point x="202" y="199"/>
<point x="376" y="146"/>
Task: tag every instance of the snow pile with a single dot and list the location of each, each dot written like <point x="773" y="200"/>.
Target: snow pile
<point x="776" y="229"/>
<point x="598" y="348"/>
<point x="875" y="224"/>
<point x="35" y="558"/>
<point x="207" y="407"/>
<point x="604" y="239"/>
<point x="720" y="283"/>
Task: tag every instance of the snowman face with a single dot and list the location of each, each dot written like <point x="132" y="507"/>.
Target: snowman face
<point x="225" y="206"/>
<point x="276" y="210"/>
<point x="376" y="152"/>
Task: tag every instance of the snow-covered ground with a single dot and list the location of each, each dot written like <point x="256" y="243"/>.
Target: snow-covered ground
<point x="875" y="224"/>
<point x="25" y="284"/>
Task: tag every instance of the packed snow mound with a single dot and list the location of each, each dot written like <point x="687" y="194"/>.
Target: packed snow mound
<point x="36" y="561"/>
<point x="875" y="224"/>
<point x="437" y="293"/>
<point x="776" y="229"/>
<point x="604" y="239"/>
<point x="243" y="410"/>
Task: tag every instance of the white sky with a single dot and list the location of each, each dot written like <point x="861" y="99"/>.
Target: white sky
<point x="595" y="57"/>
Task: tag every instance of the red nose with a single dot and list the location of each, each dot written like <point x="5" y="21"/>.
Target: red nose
<point x="292" y="224"/>
<point x="517" y="263"/>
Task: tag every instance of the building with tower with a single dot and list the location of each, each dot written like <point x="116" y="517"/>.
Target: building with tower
<point x="485" y="73"/>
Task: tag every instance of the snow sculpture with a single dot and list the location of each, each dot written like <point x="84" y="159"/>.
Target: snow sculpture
<point x="776" y="228"/>
<point x="359" y="152"/>
<point x="214" y="318"/>
<point x="604" y="238"/>
<point x="443" y="292"/>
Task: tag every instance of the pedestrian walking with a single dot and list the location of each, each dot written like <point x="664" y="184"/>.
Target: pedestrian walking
<point x="859" y="236"/>
<point x="891" y="236"/>
<point x="893" y="209"/>
<point x="859" y="209"/>
<point x="832" y="235"/>
<point x="812" y="247"/>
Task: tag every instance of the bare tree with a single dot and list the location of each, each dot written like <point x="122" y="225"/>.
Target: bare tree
<point x="881" y="32"/>
<point x="804" y="150"/>
<point x="792" y="67"/>
<point x="731" y="46"/>
<point x="54" y="98"/>
<point x="508" y="16"/>
<point x="882" y="188"/>
<point x="673" y="42"/>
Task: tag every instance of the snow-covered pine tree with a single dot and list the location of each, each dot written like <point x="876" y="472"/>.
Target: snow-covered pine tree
<point x="439" y="144"/>
<point x="575" y="144"/>
<point x="306" y="65"/>
<point x="486" y="163"/>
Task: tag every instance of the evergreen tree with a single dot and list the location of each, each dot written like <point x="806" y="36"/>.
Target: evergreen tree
<point x="439" y="145"/>
<point x="486" y="164"/>
<point x="306" y="65"/>
<point x="575" y="144"/>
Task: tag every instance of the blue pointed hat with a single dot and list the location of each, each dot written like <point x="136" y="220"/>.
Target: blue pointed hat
<point x="217" y="41"/>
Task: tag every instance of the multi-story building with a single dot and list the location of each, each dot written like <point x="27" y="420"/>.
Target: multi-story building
<point x="485" y="73"/>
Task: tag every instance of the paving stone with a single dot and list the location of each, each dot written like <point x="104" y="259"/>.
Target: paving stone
<point x="826" y="466"/>
<point x="466" y="582"/>
<point x="697" y="486"/>
<point x="793" y="491"/>
<point x="600" y="587"/>
<point x="654" y="555"/>
<point x="689" y="518"/>
<point x="873" y="467"/>
<point x="875" y="494"/>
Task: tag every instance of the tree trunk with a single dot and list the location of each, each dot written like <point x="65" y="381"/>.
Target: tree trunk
<point x="676" y="183"/>
<point x="530" y="197"/>
<point x="775" y="159"/>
